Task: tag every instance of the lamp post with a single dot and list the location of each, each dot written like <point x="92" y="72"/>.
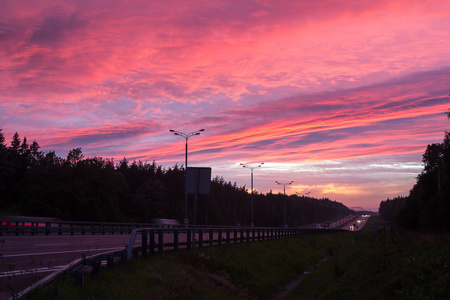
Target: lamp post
<point x="251" y="167"/>
<point x="284" y="203"/>
<point x="186" y="136"/>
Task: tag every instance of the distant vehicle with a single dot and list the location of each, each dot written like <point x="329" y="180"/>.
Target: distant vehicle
<point x="159" y="221"/>
<point x="323" y="226"/>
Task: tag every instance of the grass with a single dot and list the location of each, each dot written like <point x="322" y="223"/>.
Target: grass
<point x="253" y="270"/>
<point x="265" y="267"/>
<point x="383" y="264"/>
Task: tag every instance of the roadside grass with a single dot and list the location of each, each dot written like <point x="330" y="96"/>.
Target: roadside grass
<point x="265" y="267"/>
<point x="254" y="270"/>
<point x="371" y="264"/>
<point x="383" y="264"/>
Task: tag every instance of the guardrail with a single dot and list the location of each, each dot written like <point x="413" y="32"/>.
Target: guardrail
<point x="158" y="240"/>
<point x="49" y="226"/>
<point x="36" y="227"/>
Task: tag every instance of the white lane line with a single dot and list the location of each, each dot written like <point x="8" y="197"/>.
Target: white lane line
<point x="61" y="252"/>
<point x="43" y="245"/>
<point x="29" y="271"/>
<point x="34" y="271"/>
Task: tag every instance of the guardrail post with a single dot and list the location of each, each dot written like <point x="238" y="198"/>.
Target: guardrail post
<point x="200" y="238"/>
<point x="110" y="263"/>
<point x="47" y="228"/>
<point x="60" y="229"/>
<point x="235" y="235"/>
<point x="211" y="237"/>
<point x="135" y="253"/>
<point x="188" y="239"/>
<point x="175" y="239"/>
<point x="152" y="241"/>
<point x="144" y="243"/>
<point x="124" y="255"/>
<point x="219" y="237"/>
<point x="97" y="268"/>
<point x="228" y="236"/>
<point x="160" y="241"/>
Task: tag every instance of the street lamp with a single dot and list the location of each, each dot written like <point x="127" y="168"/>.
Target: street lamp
<point x="284" y="203"/>
<point x="251" y="167"/>
<point x="186" y="136"/>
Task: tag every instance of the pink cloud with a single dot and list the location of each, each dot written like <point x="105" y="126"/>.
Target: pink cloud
<point x="285" y="82"/>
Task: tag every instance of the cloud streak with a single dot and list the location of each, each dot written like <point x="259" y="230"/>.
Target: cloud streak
<point x="289" y="83"/>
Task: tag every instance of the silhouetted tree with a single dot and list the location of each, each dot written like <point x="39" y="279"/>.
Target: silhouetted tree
<point x="428" y="204"/>
<point x="35" y="183"/>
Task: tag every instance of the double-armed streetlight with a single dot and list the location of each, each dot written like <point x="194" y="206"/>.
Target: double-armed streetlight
<point x="251" y="167"/>
<point x="186" y="136"/>
<point x="284" y="203"/>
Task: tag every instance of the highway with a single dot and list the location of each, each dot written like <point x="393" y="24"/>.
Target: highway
<point x="26" y="259"/>
<point x="357" y="224"/>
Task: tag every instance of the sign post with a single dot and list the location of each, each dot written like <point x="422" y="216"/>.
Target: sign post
<point x="198" y="182"/>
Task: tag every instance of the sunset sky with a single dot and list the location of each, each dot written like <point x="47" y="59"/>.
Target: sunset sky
<point x="342" y="97"/>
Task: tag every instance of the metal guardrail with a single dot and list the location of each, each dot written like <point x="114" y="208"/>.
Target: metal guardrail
<point x="49" y="226"/>
<point x="158" y="240"/>
<point x="36" y="227"/>
<point x="95" y="261"/>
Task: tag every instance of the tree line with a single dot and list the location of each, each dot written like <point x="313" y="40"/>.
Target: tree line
<point x="427" y="207"/>
<point x="78" y="188"/>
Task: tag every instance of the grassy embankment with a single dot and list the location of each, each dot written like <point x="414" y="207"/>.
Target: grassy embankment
<point x="371" y="265"/>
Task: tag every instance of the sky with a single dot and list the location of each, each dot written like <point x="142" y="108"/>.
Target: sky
<point x="340" y="97"/>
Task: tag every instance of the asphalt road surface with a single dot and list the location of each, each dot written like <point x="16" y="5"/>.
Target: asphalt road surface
<point x="357" y="224"/>
<point x="26" y="259"/>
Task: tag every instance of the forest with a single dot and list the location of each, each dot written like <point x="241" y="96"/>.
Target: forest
<point x="427" y="207"/>
<point x="78" y="188"/>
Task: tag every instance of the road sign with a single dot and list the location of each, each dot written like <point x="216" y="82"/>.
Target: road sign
<point x="198" y="180"/>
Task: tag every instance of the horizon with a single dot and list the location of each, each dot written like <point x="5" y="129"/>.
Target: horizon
<point x="341" y="98"/>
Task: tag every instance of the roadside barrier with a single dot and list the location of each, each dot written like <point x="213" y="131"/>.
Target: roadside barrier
<point x="145" y="241"/>
<point x="29" y="226"/>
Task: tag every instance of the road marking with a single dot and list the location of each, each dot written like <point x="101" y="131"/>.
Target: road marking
<point x="34" y="271"/>
<point x="59" y="244"/>
<point x="29" y="271"/>
<point x="60" y="252"/>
